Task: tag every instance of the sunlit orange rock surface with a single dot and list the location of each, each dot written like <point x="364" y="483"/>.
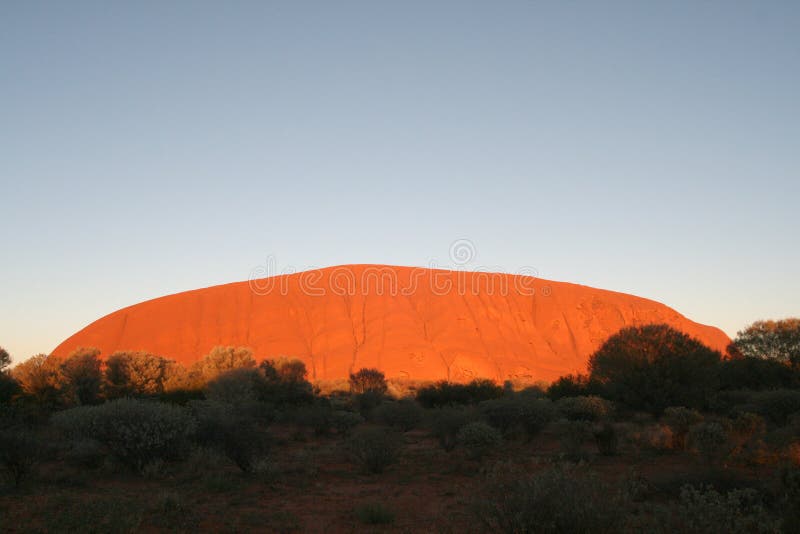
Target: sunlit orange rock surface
<point x="416" y="323"/>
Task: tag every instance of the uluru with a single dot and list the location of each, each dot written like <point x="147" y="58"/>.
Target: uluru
<point x="414" y="323"/>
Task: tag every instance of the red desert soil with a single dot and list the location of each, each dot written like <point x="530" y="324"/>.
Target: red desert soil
<point x="420" y="324"/>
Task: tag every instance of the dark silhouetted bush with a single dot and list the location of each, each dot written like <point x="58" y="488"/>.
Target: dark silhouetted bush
<point x="136" y="432"/>
<point x="20" y="451"/>
<point x="9" y="387"/>
<point x="344" y="421"/>
<point x="445" y="424"/>
<point x="368" y="381"/>
<point x="222" y="427"/>
<point x="284" y="383"/>
<point x="238" y="387"/>
<point x="710" y="440"/>
<point x="777" y="405"/>
<point x="704" y="510"/>
<point x="584" y="408"/>
<point x="82" y="376"/>
<point x="374" y="448"/>
<point x="553" y="500"/>
<point x="755" y="374"/>
<point x="450" y="394"/>
<point x="655" y="366"/>
<point x="536" y="414"/>
<point x="573" y="386"/>
<point x="572" y="435"/>
<point x="403" y="415"/>
<point x="479" y="439"/>
<point x="606" y="438"/>
<point x="680" y="420"/>
<point x="318" y="417"/>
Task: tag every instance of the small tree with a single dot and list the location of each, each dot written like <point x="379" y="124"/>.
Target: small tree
<point x="368" y="381"/>
<point x="82" y="375"/>
<point x="776" y="340"/>
<point x="5" y="359"/>
<point x="654" y="366"/>
<point x="135" y="373"/>
<point x="680" y="420"/>
<point x="222" y="359"/>
<point x="479" y="439"/>
<point x="374" y="448"/>
<point x="40" y="377"/>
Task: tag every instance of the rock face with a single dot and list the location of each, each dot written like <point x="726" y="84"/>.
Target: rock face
<point x="416" y="323"/>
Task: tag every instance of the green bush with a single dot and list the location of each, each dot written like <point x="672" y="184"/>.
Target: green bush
<point x="20" y="451"/>
<point x="573" y="386"/>
<point x="655" y="366"/>
<point x="553" y="500"/>
<point x="445" y="424"/>
<point x="344" y="421"/>
<point x="136" y="432"/>
<point x="606" y="438"/>
<point x="374" y="514"/>
<point x="479" y="439"/>
<point x="374" y="448"/>
<point x="572" y="435"/>
<point x="503" y="414"/>
<point x="283" y="382"/>
<point x="403" y="415"/>
<point x="777" y="405"/>
<point x="317" y="417"/>
<point x="446" y="393"/>
<point x="755" y="373"/>
<point x="237" y="436"/>
<point x="680" y="420"/>
<point x="236" y="386"/>
<point x="536" y="414"/>
<point x="705" y="510"/>
<point x="710" y="440"/>
<point x="584" y="408"/>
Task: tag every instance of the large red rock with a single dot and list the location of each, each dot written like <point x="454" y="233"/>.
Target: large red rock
<point x="409" y="322"/>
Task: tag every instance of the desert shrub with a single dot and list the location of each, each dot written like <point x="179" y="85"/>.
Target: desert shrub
<point x="82" y="375"/>
<point x="222" y="359"/>
<point x="680" y="420"/>
<point x="584" y="408"/>
<point x="730" y="402"/>
<point x="374" y="514"/>
<point x="755" y="374"/>
<point x="237" y="387"/>
<point x="403" y="415"/>
<point x="318" y="417"/>
<point x="20" y="451"/>
<point x="777" y="405"/>
<point x="445" y="424"/>
<point x="136" y="373"/>
<point x="554" y="500"/>
<point x="41" y="379"/>
<point x="345" y="421"/>
<point x="503" y="414"/>
<point x="478" y="439"/>
<point x="710" y="440"/>
<point x="86" y="452"/>
<point x="283" y="382"/>
<point x="652" y="367"/>
<point x="9" y="387"/>
<point x="449" y="394"/>
<point x="368" y="380"/>
<point x="573" y="386"/>
<point x="606" y="438"/>
<point x="704" y="510"/>
<point x="136" y="432"/>
<point x="572" y="435"/>
<point x="536" y="414"/>
<point x="374" y="448"/>
<point x="789" y="498"/>
<point x="774" y="340"/>
<point x="221" y="426"/>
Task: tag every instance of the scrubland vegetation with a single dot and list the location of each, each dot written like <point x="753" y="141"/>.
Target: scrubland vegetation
<point x="662" y="435"/>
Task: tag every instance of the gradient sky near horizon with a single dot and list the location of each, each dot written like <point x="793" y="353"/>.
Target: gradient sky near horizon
<point x="152" y="147"/>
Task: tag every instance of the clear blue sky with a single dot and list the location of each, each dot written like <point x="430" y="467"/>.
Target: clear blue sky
<point x="152" y="147"/>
